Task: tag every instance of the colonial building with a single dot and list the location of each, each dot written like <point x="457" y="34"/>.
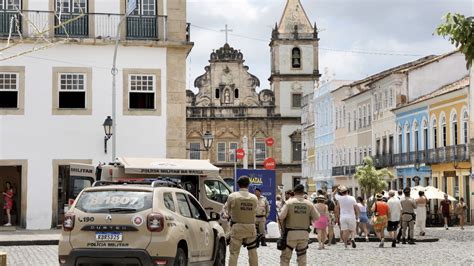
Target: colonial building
<point x="229" y="106"/>
<point x="54" y="100"/>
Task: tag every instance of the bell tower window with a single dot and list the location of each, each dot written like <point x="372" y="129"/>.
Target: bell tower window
<point x="236" y="93"/>
<point x="217" y="93"/>
<point x="296" y="57"/>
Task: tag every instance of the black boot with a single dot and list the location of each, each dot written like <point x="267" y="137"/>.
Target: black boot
<point x="411" y="242"/>
<point x="394" y="243"/>
<point x="404" y="241"/>
<point x="264" y="243"/>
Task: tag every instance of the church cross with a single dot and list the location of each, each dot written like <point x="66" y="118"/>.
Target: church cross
<point x="226" y="30"/>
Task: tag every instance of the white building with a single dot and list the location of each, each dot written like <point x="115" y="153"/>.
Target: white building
<point x="325" y="127"/>
<point x="53" y="101"/>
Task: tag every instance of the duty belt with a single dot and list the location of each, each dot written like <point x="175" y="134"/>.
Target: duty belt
<point x="232" y="223"/>
<point x="260" y="216"/>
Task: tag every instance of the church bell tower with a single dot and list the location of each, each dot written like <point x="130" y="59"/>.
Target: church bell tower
<point x="294" y="59"/>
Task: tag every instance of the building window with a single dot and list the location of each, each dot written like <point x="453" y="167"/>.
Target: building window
<point x="390" y="144"/>
<point x="337" y="119"/>
<point x="360" y="117"/>
<point x="296" y="58"/>
<point x="236" y="93"/>
<point x="145" y="8"/>
<point x="355" y="121"/>
<point x="370" y="115"/>
<point x="375" y="102"/>
<point x="232" y="148"/>
<point x="72" y="91"/>
<point x="390" y="99"/>
<point x="377" y="147"/>
<point x="142" y="91"/>
<point x="349" y="121"/>
<point x="343" y="116"/>
<point x="444" y="131"/>
<point x="296" y="100"/>
<point x="465" y="123"/>
<point x="407" y="139"/>
<point x="296" y="148"/>
<point x="260" y="151"/>
<point x="365" y="116"/>
<point x="9" y="90"/>
<point x="71" y="6"/>
<point x="221" y="152"/>
<point x="385" y="103"/>
<point x="10" y="4"/>
<point x="454" y="129"/>
<point x="400" y="143"/>
<point x="384" y="145"/>
<point x="434" y="134"/>
<point x="194" y="151"/>
<point x="425" y="135"/>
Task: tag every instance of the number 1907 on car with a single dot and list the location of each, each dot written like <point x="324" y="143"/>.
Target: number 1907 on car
<point x="108" y="236"/>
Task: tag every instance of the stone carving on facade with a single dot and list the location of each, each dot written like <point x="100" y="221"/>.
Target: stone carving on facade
<point x="227" y="78"/>
<point x="294" y="17"/>
<point x="296" y="87"/>
<point x="266" y="97"/>
<point x="226" y="53"/>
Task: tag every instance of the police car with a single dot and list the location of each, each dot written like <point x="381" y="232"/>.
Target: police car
<point x="157" y="223"/>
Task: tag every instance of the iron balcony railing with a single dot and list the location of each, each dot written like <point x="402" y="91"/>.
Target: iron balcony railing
<point x="457" y="153"/>
<point x="86" y="25"/>
<point x="343" y="170"/>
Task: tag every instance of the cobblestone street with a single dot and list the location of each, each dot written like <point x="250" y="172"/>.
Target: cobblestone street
<point x="454" y="248"/>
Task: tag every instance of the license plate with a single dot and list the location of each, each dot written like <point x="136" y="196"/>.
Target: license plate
<point x="108" y="236"/>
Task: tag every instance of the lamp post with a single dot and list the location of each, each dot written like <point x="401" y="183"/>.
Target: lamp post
<point x="207" y="140"/>
<point x="108" y="130"/>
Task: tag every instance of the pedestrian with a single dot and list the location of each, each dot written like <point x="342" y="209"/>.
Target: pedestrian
<point x="363" y="219"/>
<point x="241" y="206"/>
<point x="263" y="210"/>
<point x="394" y="218"/>
<point x="381" y="212"/>
<point x="421" y="202"/>
<point x="297" y="215"/>
<point x="408" y="217"/>
<point x="332" y="219"/>
<point x="460" y="211"/>
<point x="289" y="194"/>
<point x="321" y="224"/>
<point x="347" y="213"/>
<point x="400" y="194"/>
<point x="8" y="202"/>
<point x="400" y="197"/>
<point x="444" y="208"/>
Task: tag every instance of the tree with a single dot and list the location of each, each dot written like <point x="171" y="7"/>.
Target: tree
<point x="370" y="179"/>
<point x="460" y="31"/>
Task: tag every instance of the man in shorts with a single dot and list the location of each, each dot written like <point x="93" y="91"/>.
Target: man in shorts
<point x="394" y="219"/>
<point x="347" y="213"/>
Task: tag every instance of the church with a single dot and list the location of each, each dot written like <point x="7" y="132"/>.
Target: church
<point x="231" y="106"/>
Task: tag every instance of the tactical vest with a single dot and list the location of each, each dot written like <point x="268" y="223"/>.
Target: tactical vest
<point x="243" y="211"/>
<point x="298" y="216"/>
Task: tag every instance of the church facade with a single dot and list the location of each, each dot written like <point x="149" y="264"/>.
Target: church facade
<point x="231" y="106"/>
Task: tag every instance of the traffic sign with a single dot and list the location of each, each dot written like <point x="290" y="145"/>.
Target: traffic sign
<point x="240" y="153"/>
<point x="269" y="141"/>
<point x="269" y="163"/>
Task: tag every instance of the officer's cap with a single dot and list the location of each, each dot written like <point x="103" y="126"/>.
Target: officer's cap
<point x="298" y="188"/>
<point x="243" y="181"/>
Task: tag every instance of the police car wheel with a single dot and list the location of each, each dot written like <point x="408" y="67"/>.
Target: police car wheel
<point x="220" y="256"/>
<point x="181" y="259"/>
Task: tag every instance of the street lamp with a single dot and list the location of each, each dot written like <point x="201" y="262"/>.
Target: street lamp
<point x="108" y="127"/>
<point x="207" y="138"/>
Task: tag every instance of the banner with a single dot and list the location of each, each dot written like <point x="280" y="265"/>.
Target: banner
<point x="266" y="181"/>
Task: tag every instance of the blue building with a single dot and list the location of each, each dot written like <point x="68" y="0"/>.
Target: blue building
<point x="412" y="145"/>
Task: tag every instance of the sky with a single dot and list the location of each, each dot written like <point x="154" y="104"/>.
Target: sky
<point x="358" y="38"/>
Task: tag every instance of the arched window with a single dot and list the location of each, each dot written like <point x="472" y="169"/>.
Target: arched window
<point x="296" y="57"/>
<point x="236" y="93"/>
<point x="434" y="133"/>
<point x="444" y="131"/>
<point x="400" y="141"/>
<point x="454" y="128"/>
<point x="365" y="116"/>
<point x="217" y="93"/>
<point x="415" y="136"/>
<point x="465" y="127"/>
<point x="407" y="138"/>
<point x="425" y="135"/>
<point x="360" y="117"/>
<point x="369" y="111"/>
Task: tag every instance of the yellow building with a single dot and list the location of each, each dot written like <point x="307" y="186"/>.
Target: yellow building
<point x="449" y="133"/>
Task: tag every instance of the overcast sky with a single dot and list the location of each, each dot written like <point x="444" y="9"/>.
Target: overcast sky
<point x="357" y="37"/>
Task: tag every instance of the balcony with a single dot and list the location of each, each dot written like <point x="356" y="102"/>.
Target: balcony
<point x="458" y="153"/>
<point x="343" y="170"/>
<point x="88" y="25"/>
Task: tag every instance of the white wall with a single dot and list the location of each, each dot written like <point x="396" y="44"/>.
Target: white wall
<point x="286" y="131"/>
<point x="287" y="180"/>
<point x="286" y="99"/>
<point x="307" y="59"/>
<point x="40" y="137"/>
<point x="431" y="77"/>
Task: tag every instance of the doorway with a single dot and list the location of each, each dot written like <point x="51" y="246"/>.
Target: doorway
<point x="11" y="174"/>
<point x="467" y="196"/>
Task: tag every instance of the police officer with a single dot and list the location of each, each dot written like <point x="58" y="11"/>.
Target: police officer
<point x="297" y="215"/>
<point x="408" y="216"/>
<point x="263" y="210"/>
<point x="242" y="208"/>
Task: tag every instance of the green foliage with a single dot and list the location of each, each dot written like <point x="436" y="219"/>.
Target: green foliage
<point x="460" y="30"/>
<point x="370" y="179"/>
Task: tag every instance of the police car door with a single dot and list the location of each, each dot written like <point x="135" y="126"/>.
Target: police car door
<point x="203" y="230"/>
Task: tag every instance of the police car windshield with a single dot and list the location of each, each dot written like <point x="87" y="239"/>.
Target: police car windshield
<point x="114" y="201"/>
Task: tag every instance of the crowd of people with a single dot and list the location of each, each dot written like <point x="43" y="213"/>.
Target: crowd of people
<point x="398" y="214"/>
